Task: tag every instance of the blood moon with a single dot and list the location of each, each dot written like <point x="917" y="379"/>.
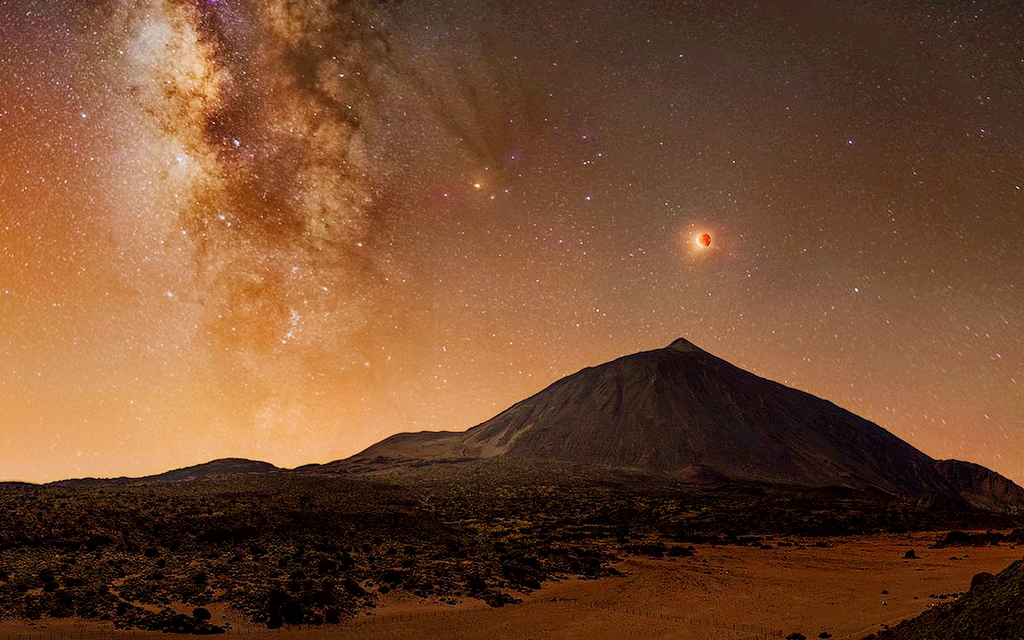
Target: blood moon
<point x="703" y="240"/>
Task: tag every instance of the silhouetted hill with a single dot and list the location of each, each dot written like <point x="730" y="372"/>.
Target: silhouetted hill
<point x="993" y="609"/>
<point x="14" y="485"/>
<point x="221" y="467"/>
<point x="684" y="412"/>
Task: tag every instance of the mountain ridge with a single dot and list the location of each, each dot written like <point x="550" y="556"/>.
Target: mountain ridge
<point x="981" y="486"/>
<point x="682" y="411"/>
<point x="679" y="412"/>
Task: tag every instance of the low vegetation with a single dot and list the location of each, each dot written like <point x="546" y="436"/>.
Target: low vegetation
<point x="293" y="548"/>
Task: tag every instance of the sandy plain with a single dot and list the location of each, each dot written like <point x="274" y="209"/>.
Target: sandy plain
<point x="722" y="593"/>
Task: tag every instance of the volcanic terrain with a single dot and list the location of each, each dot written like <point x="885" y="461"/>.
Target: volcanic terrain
<point x="682" y="412"/>
<point x="613" y="482"/>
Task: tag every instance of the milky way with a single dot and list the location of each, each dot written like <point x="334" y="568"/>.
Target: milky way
<point x="285" y="230"/>
<point x="255" y="116"/>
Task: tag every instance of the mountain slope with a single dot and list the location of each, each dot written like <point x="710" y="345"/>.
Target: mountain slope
<point x="682" y="411"/>
<point x="982" y="487"/>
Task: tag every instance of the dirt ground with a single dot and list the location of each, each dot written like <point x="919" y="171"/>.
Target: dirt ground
<point x="849" y="589"/>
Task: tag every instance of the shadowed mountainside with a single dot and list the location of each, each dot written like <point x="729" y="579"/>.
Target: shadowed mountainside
<point x="684" y="412"/>
<point x="981" y="487"/>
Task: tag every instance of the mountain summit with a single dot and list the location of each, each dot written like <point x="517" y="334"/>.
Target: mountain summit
<point x="682" y="411"/>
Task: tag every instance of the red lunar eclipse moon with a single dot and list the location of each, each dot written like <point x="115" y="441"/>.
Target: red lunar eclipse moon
<point x="703" y="240"/>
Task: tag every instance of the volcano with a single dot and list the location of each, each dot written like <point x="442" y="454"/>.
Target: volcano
<point x="680" y="411"/>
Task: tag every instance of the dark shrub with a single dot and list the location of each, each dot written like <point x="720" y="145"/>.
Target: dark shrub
<point x="979" y="579"/>
<point x="475" y="585"/>
<point x="498" y="599"/>
<point x="96" y="541"/>
<point x="291" y="612"/>
<point x="347" y="562"/>
<point x="353" y="587"/>
<point x="63" y="604"/>
<point x="276" y="599"/>
<point x="653" y="550"/>
<point x="33" y="608"/>
<point x="274" y="621"/>
<point x="956" y="539"/>
<point x="201" y="614"/>
<point x="521" y="574"/>
<point x="326" y="565"/>
<point x="394" y="576"/>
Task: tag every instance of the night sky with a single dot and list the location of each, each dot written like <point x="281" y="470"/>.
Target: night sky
<point x="284" y="230"/>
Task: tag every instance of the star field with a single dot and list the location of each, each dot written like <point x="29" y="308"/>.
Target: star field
<point x="285" y="230"/>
